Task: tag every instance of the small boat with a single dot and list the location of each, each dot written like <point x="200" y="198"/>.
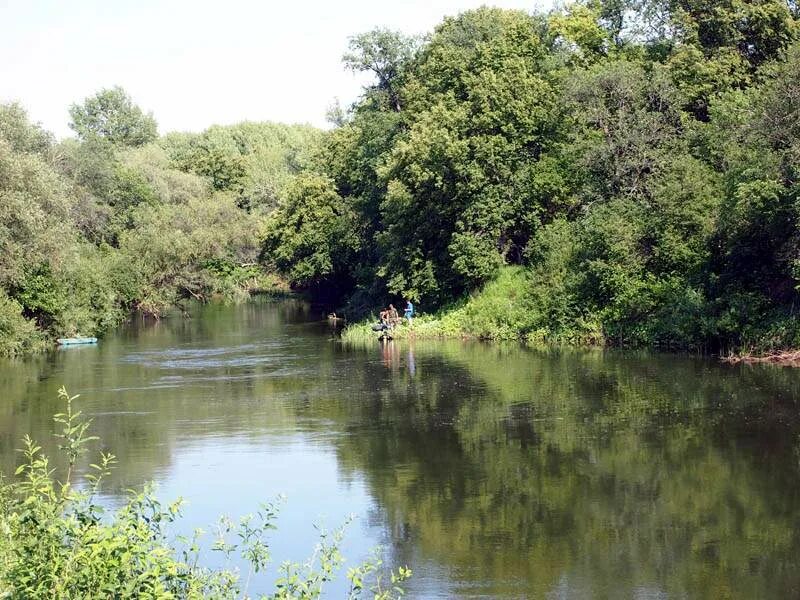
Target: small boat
<point x="76" y="340"/>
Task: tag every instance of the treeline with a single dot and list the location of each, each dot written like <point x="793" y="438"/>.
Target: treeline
<point x="121" y="219"/>
<point x="616" y="171"/>
<point x="637" y="158"/>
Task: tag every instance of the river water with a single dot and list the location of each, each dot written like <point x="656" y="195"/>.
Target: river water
<point x="492" y="471"/>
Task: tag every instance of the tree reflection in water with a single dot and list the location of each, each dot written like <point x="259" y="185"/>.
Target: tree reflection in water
<point x="494" y="470"/>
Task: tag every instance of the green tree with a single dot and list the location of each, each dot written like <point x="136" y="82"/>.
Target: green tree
<point x="480" y="109"/>
<point x="23" y="136"/>
<point x="756" y="277"/>
<point x="579" y="30"/>
<point x="314" y="235"/>
<point x="385" y="54"/>
<point x="256" y="161"/>
<point x="111" y="115"/>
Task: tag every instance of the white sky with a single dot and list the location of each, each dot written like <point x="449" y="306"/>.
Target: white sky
<point x="198" y="62"/>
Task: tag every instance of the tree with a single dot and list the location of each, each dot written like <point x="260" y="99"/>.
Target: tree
<point x="721" y="45"/>
<point x="759" y="30"/>
<point x="384" y="53"/>
<point x="314" y="236"/>
<point x="580" y="29"/>
<point x="111" y="115"/>
<point x="20" y="133"/>
<point x="253" y="160"/>
<point x="755" y="275"/>
<point x="480" y="110"/>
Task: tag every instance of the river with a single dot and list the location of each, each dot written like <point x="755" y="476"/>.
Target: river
<point x="491" y="470"/>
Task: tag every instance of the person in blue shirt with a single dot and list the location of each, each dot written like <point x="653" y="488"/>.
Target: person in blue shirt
<point x="409" y="312"/>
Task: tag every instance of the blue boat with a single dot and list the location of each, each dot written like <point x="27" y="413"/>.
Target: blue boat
<point x="76" y="340"/>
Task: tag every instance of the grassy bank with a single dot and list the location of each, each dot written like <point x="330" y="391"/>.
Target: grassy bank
<point x="503" y="310"/>
<point x="517" y="306"/>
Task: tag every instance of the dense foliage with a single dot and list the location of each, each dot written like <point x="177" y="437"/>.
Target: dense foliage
<point x="120" y="219"/>
<point x="636" y="159"/>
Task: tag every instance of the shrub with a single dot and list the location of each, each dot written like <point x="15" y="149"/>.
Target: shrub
<point x="18" y="335"/>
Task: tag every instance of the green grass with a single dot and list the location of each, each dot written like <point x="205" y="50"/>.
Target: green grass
<point x="499" y="311"/>
<point x="520" y="306"/>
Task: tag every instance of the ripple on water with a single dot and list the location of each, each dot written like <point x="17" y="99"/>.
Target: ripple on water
<point x="244" y="355"/>
<point x="202" y="366"/>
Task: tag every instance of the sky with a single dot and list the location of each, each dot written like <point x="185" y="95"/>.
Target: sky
<point x="195" y="63"/>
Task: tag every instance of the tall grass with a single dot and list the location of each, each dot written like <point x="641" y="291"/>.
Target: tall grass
<point x="499" y="311"/>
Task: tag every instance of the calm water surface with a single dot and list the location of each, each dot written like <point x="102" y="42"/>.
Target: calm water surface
<point x="493" y="471"/>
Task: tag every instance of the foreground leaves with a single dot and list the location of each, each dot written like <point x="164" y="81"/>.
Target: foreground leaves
<point x="56" y="541"/>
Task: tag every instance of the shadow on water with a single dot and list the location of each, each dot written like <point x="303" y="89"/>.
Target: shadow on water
<point x="492" y="470"/>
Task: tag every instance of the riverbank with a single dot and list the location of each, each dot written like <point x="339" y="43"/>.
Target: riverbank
<point x="502" y="310"/>
<point x="446" y="326"/>
<point x="22" y="336"/>
<point x="510" y="308"/>
<point x="787" y="358"/>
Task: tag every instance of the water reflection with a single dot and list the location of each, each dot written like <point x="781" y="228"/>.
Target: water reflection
<point x="602" y="474"/>
<point x="492" y="470"/>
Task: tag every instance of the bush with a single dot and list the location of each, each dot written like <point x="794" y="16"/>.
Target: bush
<point x="18" y="335"/>
<point x="169" y="246"/>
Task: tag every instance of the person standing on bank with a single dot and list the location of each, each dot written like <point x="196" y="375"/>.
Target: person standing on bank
<point x="392" y="316"/>
<point x="409" y="312"/>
